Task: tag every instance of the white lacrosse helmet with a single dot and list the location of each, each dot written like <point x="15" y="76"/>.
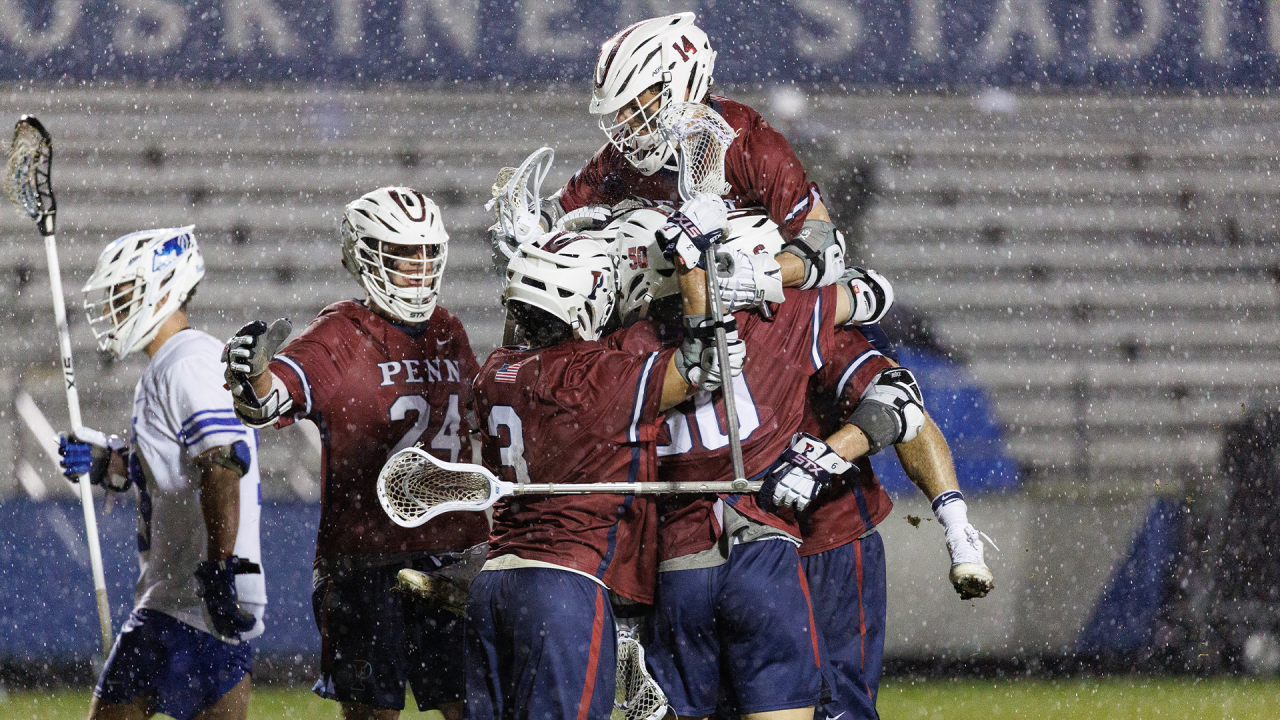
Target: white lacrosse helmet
<point x="394" y="243"/>
<point x="568" y="275"/>
<point x="644" y="275"/>
<point x="668" y="50"/>
<point x="140" y="280"/>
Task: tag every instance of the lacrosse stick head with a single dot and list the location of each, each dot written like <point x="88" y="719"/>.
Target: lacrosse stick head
<point x="27" y="177"/>
<point x="517" y="198"/>
<point x="415" y="487"/>
<point x="701" y="138"/>
<point x="638" y="696"/>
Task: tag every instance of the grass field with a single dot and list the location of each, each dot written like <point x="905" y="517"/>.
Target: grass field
<point x="1090" y="699"/>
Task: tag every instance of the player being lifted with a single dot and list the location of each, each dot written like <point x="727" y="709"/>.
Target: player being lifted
<point x="669" y="59"/>
<point x="200" y="596"/>
<point x="376" y="376"/>
<point x="567" y="408"/>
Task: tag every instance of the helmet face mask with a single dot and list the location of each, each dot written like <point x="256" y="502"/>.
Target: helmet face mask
<point x="668" y="53"/>
<point x="140" y="280"/>
<point x="394" y="243"/>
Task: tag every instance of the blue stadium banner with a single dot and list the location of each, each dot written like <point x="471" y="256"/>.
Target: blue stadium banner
<point x="1197" y="44"/>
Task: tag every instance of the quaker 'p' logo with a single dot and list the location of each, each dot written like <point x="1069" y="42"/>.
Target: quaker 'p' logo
<point x="597" y="281"/>
<point x="408" y="205"/>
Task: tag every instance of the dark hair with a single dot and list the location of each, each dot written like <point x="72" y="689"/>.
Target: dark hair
<point x="536" y="327"/>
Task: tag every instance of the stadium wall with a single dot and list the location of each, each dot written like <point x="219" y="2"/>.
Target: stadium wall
<point x="1206" y="44"/>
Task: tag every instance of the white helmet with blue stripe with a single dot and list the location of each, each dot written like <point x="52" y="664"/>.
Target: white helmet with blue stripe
<point x="140" y="280"/>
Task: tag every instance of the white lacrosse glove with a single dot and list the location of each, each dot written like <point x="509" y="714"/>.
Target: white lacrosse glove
<point x="891" y="410"/>
<point x="748" y="281"/>
<point x="802" y="473"/>
<point x="697" y="360"/>
<point x="588" y="217"/>
<point x="700" y="223"/>
<point x="969" y="575"/>
<point x="870" y="295"/>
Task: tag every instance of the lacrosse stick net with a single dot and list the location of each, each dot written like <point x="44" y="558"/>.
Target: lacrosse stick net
<point x="701" y="138"/>
<point x="27" y="177"/>
<point x="637" y="696"/>
<point x="414" y="487"/>
<point x="518" y="200"/>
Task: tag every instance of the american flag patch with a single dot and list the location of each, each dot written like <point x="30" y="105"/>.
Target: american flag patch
<point x="507" y="373"/>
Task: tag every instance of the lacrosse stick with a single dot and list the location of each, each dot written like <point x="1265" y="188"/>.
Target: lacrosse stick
<point x="701" y="138"/>
<point x="517" y="197"/>
<point x="638" y="696"/>
<point x="415" y="487"/>
<point x="27" y="183"/>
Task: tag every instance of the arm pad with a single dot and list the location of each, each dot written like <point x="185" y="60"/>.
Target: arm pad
<point x="234" y="457"/>
<point x="891" y="410"/>
<point x="821" y="247"/>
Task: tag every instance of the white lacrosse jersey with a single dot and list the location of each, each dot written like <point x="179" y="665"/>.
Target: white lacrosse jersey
<point x="181" y="409"/>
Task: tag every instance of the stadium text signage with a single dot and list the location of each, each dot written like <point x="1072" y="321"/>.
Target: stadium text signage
<point x="1204" y="44"/>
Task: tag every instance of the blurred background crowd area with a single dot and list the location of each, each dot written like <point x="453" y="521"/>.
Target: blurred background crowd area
<point x="1076" y="201"/>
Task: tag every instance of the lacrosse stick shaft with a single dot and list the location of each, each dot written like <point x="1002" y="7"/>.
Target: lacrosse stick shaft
<point x="715" y="309"/>
<point x="73" y="409"/>
<point x="640" y="488"/>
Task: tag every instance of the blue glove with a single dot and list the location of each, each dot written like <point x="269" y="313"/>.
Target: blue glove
<point x="217" y="587"/>
<point x="77" y="457"/>
<point x="87" y="451"/>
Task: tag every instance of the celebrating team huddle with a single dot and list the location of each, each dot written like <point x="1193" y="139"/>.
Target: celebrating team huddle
<point x="677" y="325"/>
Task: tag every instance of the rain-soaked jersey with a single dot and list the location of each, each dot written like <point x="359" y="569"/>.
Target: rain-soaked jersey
<point x="856" y="501"/>
<point x="576" y="412"/>
<point x="761" y="168"/>
<point x="180" y="411"/>
<point x="782" y="354"/>
<point x="374" y="387"/>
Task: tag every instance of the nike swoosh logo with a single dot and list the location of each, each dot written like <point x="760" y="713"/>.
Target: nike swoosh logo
<point x="441" y="343"/>
<point x="836" y="717"/>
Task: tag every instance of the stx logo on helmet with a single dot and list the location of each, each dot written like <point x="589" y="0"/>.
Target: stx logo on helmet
<point x="405" y="202"/>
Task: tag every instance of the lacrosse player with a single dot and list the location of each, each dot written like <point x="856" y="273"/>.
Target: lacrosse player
<point x="376" y="376"/>
<point x="184" y="650"/>
<point x="567" y="408"/>
<point x="666" y="60"/>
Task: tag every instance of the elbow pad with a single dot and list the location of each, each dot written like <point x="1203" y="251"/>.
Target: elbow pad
<point x="821" y="247"/>
<point x="891" y="410"/>
<point x="234" y="457"/>
<point x="551" y="211"/>
<point x="870" y="295"/>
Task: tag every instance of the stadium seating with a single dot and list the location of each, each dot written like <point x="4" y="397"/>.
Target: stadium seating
<point x="1107" y="266"/>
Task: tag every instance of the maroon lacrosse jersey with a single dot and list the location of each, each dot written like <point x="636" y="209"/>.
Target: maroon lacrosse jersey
<point x="578" y="412"/>
<point x="761" y="168"/>
<point x="374" y="388"/>
<point x="856" y="502"/>
<point x="782" y="354"/>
